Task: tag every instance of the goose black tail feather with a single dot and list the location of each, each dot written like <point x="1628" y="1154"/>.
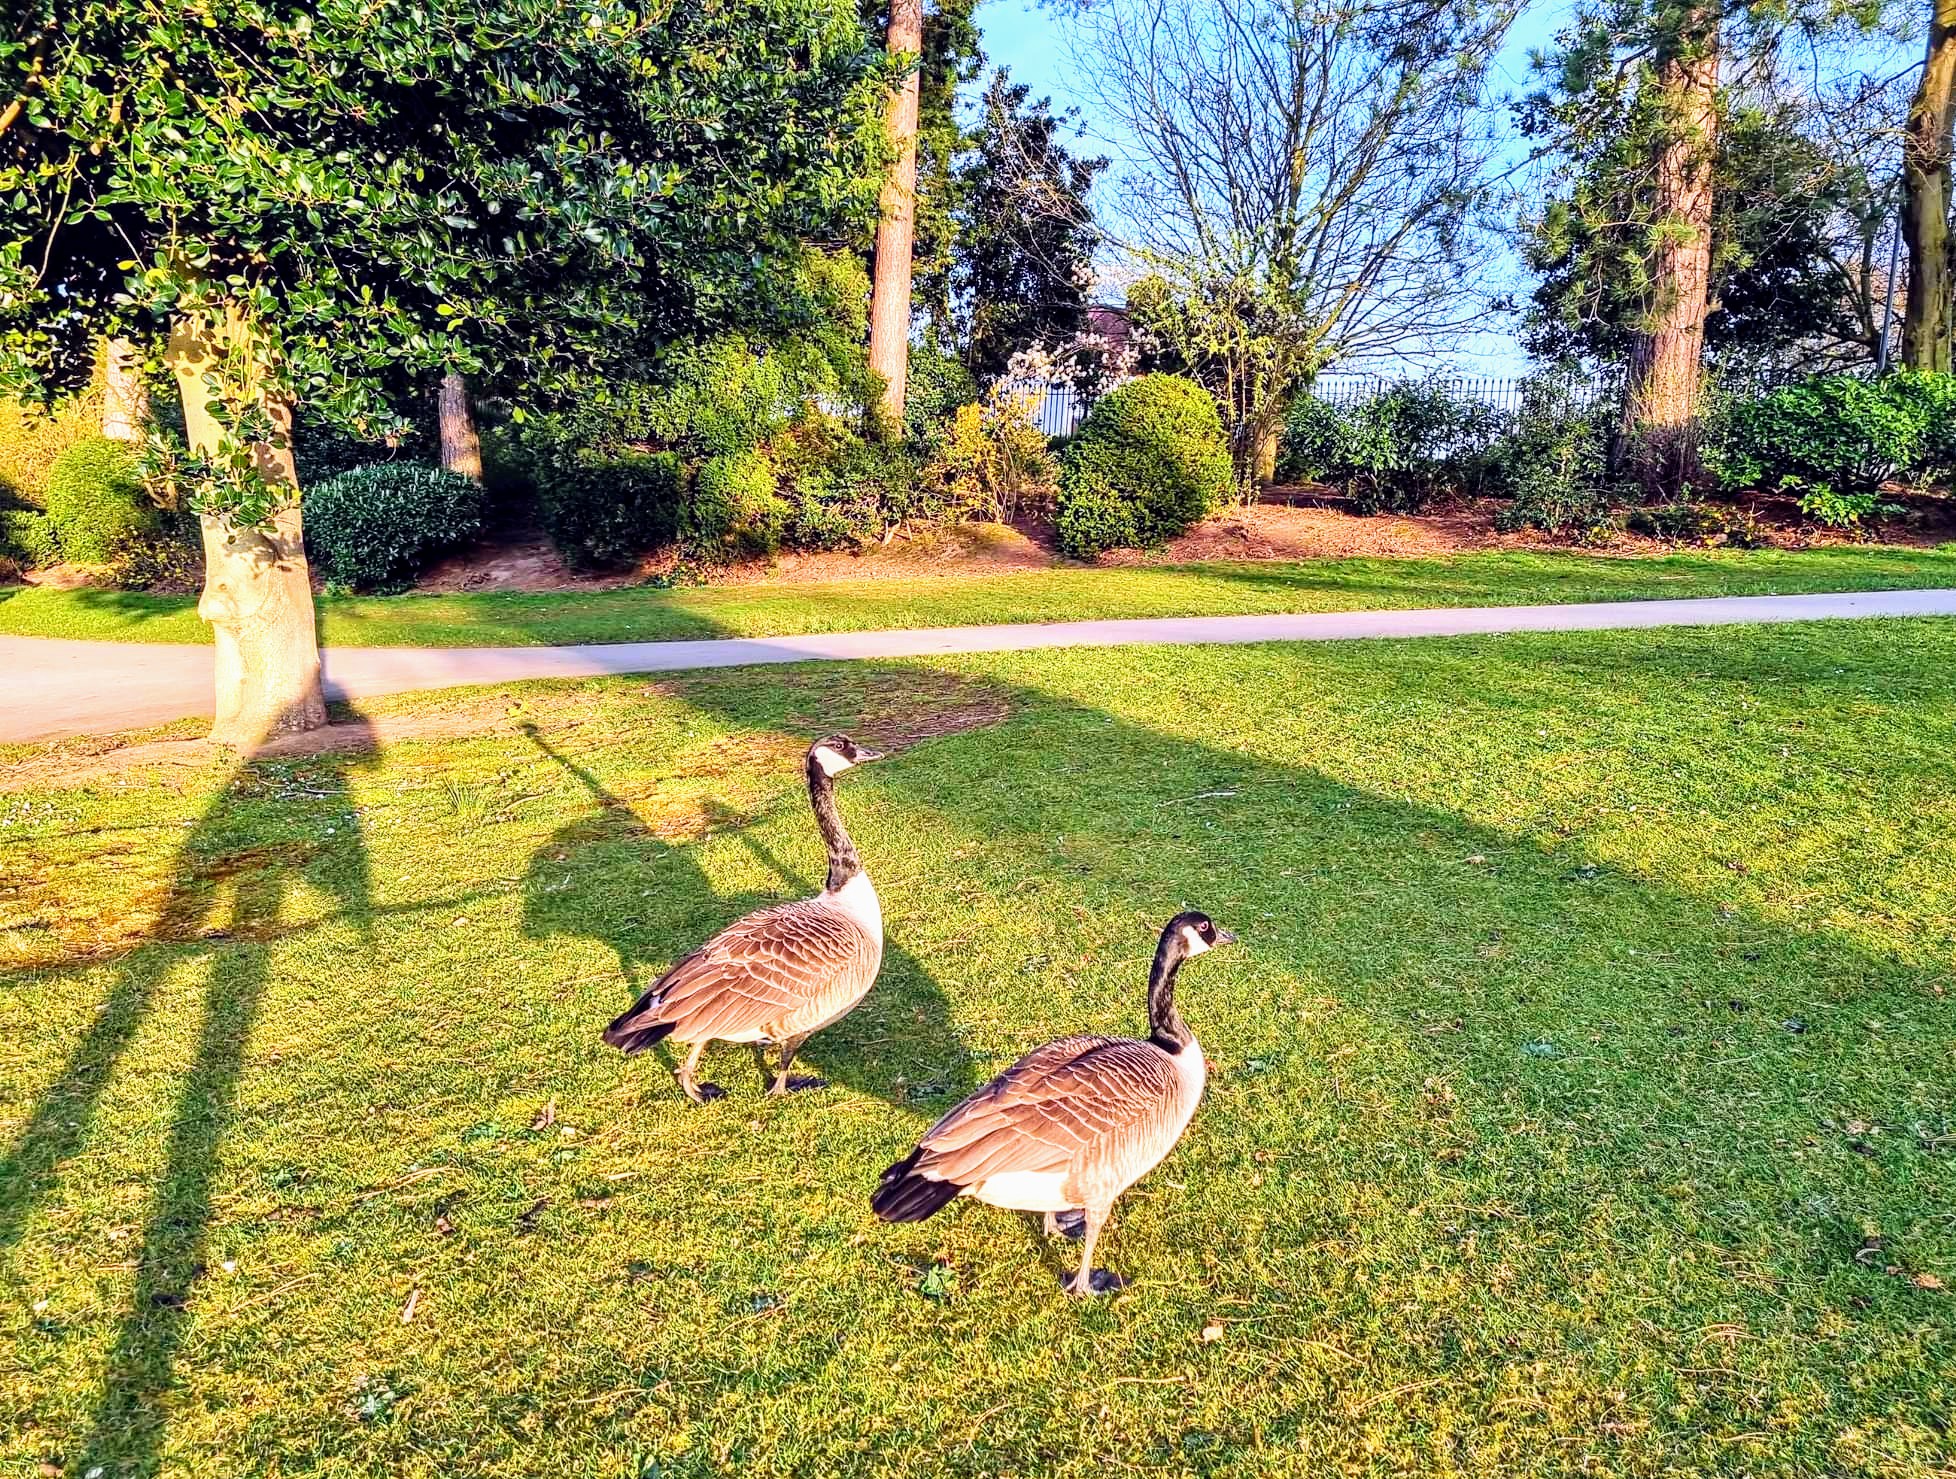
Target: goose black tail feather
<point x="630" y="1036"/>
<point x="905" y="1194"/>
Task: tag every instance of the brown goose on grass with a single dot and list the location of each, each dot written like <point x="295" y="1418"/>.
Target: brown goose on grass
<point x="1070" y="1126"/>
<point x="782" y="973"/>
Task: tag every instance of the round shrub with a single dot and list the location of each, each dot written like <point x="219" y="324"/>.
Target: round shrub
<point x="96" y="504"/>
<point x="1148" y="462"/>
<point x="376" y="528"/>
<point x="603" y="509"/>
<point x="735" y="508"/>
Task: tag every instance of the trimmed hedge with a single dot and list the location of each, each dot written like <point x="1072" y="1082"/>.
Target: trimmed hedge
<point x="96" y="505"/>
<point x="601" y="509"/>
<point x="376" y="528"/>
<point x="1148" y="462"/>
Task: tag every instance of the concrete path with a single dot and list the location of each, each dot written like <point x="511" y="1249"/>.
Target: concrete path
<point x="50" y="689"/>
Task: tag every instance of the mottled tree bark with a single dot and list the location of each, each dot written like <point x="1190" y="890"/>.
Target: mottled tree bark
<point x="1665" y="373"/>
<point x="461" y="448"/>
<point x="125" y="399"/>
<point x="257" y="588"/>
<point x="889" y="302"/>
<point x="1929" y="320"/>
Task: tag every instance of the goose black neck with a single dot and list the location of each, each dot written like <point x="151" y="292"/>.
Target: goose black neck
<point x="1166" y="1029"/>
<point x="844" y="862"/>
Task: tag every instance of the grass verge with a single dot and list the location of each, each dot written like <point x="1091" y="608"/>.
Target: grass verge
<point x="648" y="614"/>
<point x="1582" y="1102"/>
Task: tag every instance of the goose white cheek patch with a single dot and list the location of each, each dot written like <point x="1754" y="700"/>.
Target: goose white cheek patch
<point x="1195" y="942"/>
<point x="830" y="761"/>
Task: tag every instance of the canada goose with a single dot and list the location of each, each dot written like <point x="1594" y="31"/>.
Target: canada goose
<point x="1070" y="1126"/>
<point x="780" y="974"/>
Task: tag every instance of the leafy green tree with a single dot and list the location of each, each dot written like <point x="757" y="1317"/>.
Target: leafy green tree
<point x="1026" y="233"/>
<point x="952" y="57"/>
<point x="1796" y="224"/>
<point x="1929" y="320"/>
<point x="319" y="206"/>
<point x="1639" y="108"/>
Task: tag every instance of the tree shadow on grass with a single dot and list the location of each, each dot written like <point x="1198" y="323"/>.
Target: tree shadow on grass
<point x="1495" y="973"/>
<point x="610" y="877"/>
<point x="222" y="859"/>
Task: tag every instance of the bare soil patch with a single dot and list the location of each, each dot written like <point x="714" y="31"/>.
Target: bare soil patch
<point x="886" y="710"/>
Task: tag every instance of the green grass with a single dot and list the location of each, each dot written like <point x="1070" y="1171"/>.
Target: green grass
<point x="1584" y="1096"/>
<point x="646" y="614"/>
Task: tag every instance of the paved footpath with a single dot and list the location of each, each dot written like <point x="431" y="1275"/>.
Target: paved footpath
<point x="50" y="689"/>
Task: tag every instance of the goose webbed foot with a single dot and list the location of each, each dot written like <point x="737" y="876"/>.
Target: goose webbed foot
<point x="1071" y="1225"/>
<point x="795" y="1083"/>
<point x="1093" y="1281"/>
<point x="702" y="1093"/>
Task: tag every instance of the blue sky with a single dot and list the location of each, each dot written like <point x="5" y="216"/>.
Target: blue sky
<point x="1017" y="34"/>
<point x="1020" y="36"/>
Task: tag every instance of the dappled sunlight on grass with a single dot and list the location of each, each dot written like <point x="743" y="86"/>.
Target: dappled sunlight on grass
<point x="1539" y="1136"/>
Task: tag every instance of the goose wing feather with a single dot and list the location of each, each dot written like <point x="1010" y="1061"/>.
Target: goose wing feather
<point x="1056" y="1107"/>
<point x="772" y="965"/>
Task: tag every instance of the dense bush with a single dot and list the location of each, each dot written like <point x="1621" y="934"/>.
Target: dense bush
<point x="1411" y="442"/>
<point x="735" y="507"/>
<point x="1149" y="461"/>
<point x="1835" y="439"/>
<point x="1392" y="452"/>
<point x="848" y="492"/>
<point x="27" y="538"/>
<point x="1312" y="448"/>
<point x="376" y="528"/>
<point x="96" y="503"/>
<point x="1552" y="462"/>
<point x="1932" y="396"/>
<point x="605" y="508"/>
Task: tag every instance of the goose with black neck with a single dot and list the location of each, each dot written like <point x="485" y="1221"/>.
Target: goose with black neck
<point x="1072" y="1125"/>
<point x="781" y="974"/>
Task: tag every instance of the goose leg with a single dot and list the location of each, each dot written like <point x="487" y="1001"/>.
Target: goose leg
<point x="698" y="1092"/>
<point x="785" y="1083"/>
<point x="1070" y="1224"/>
<point x="1091" y="1280"/>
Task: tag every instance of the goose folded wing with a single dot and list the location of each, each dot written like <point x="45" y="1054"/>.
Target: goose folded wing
<point x="761" y="968"/>
<point x="1054" y="1107"/>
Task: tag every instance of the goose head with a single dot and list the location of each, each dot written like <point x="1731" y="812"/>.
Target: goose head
<point x="1191" y="933"/>
<point x="836" y="753"/>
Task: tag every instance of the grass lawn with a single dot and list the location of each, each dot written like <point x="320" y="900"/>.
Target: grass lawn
<point x="647" y="614"/>
<point x="1584" y="1100"/>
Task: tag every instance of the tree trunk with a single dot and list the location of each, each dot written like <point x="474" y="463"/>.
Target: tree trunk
<point x="1266" y="455"/>
<point x="257" y="588"/>
<point x="889" y="301"/>
<point x="1929" y="320"/>
<point x="1660" y="395"/>
<point x="461" y="448"/>
<point x="125" y="399"/>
